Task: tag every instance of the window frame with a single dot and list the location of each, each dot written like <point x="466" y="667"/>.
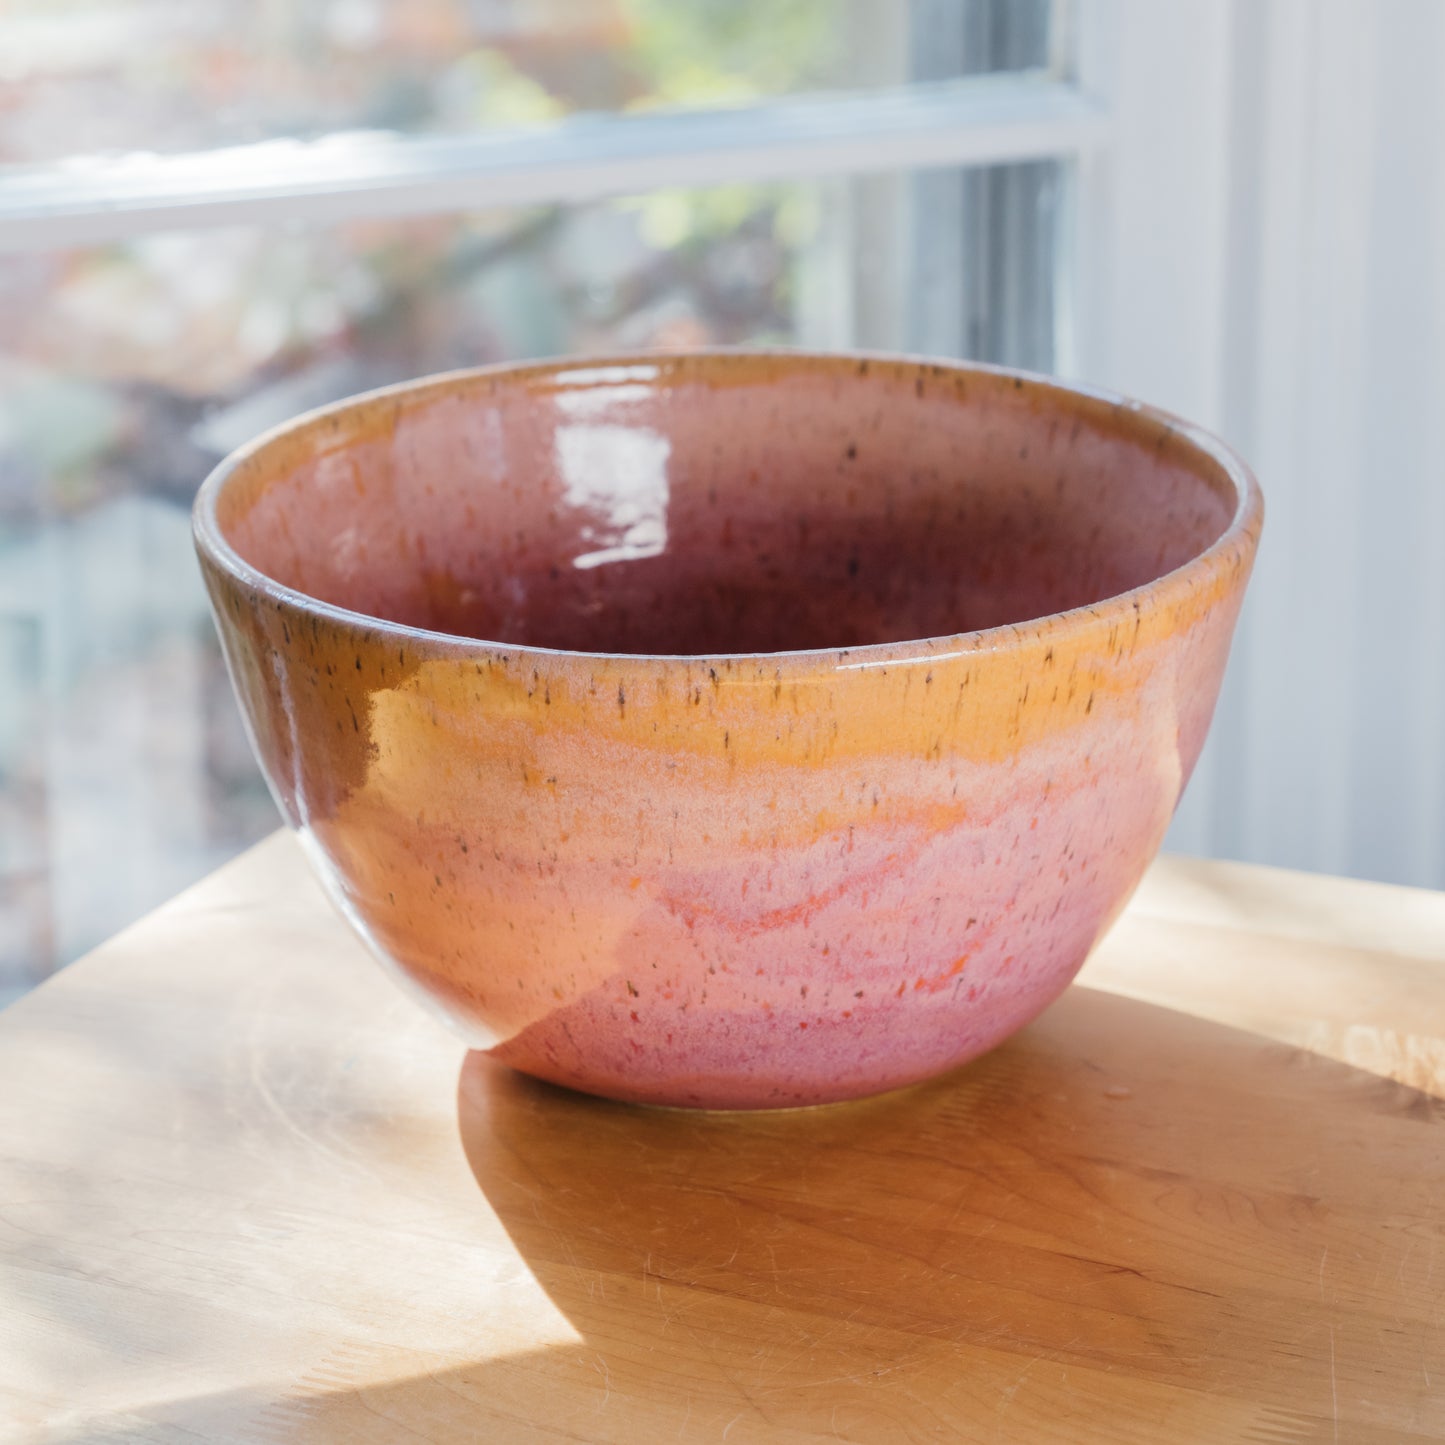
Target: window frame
<point x="979" y="121"/>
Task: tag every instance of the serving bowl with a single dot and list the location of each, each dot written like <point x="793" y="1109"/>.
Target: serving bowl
<point x="730" y="729"/>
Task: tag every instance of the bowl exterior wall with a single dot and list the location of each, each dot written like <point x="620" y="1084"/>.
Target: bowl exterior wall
<point x="739" y="882"/>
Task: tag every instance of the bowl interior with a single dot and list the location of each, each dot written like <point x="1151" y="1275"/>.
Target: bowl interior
<point x="723" y="503"/>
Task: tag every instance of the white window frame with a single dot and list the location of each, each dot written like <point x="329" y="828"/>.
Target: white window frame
<point x="365" y="175"/>
<point x="1151" y="312"/>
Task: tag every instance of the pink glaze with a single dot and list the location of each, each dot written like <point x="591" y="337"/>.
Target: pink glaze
<point x="730" y="730"/>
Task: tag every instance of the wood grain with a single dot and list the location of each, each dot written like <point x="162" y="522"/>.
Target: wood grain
<point x="248" y="1192"/>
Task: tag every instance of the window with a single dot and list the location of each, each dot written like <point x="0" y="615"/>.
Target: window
<point x="215" y="214"/>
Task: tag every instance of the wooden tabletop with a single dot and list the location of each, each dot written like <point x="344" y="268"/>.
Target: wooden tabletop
<point x="250" y="1193"/>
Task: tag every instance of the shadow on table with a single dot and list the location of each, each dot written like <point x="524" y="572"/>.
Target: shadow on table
<point x="1148" y="1225"/>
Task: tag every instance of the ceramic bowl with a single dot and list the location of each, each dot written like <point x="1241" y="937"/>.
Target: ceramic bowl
<point x="730" y="730"/>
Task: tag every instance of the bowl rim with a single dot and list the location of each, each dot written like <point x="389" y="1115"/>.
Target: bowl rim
<point x="1240" y="535"/>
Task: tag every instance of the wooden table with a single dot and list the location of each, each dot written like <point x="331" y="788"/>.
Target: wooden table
<point x="250" y="1193"/>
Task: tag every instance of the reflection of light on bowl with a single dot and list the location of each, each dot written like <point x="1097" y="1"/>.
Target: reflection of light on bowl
<point x="828" y="710"/>
<point x="619" y="474"/>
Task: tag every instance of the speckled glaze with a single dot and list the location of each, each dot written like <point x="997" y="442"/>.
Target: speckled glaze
<point x="730" y="730"/>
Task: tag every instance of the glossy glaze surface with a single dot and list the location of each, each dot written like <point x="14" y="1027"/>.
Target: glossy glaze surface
<point x="730" y="730"/>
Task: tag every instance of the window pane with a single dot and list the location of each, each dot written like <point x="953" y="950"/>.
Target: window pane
<point x="127" y="371"/>
<point x="83" y="76"/>
<point x="976" y="37"/>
